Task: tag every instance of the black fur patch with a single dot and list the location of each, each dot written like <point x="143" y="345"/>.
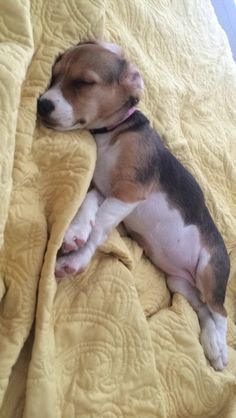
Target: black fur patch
<point x="182" y="189"/>
<point x="137" y="121"/>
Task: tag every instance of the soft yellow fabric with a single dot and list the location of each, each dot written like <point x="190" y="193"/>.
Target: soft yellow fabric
<point x="84" y="348"/>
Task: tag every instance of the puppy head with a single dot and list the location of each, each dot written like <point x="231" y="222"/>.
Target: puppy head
<point x="92" y="86"/>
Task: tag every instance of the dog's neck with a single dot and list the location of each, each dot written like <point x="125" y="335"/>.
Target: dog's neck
<point x="111" y="128"/>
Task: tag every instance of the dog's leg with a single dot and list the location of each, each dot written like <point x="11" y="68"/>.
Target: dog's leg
<point x="211" y="280"/>
<point x="213" y="328"/>
<point x="109" y="215"/>
<point x="81" y="226"/>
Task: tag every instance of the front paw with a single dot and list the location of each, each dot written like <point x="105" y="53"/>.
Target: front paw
<point x="214" y="346"/>
<point x="77" y="235"/>
<point x="69" y="265"/>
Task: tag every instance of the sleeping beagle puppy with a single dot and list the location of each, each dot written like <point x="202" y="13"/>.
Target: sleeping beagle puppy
<point x="138" y="181"/>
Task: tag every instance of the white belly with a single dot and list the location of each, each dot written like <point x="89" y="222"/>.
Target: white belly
<point x="169" y="243"/>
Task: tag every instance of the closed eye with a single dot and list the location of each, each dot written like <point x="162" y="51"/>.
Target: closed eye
<point x="77" y="83"/>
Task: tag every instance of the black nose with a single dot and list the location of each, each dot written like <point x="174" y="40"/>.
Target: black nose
<point x="44" y="107"/>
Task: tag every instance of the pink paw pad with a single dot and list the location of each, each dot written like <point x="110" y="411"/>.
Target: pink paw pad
<point x="79" y="242"/>
<point x="69" y="270"/>
<point x="60" y="274"/>
<point x="68" y="247"/>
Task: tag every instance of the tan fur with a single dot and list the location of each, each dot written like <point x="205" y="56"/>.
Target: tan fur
<point x="207" y="284"/>
<point x="124" y="176"/>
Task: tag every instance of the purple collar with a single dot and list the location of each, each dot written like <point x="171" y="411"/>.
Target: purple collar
<point x="113" y="127"/>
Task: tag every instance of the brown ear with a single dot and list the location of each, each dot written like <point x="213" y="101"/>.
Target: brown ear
<point x="133" y="81"/>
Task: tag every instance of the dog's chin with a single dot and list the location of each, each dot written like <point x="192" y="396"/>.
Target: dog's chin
<point x="65" y="128"/>
<point x="57" y="127"/>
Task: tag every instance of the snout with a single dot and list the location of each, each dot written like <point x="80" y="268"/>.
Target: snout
<point x="44" y="107"/>
<point x="54" y="110"/>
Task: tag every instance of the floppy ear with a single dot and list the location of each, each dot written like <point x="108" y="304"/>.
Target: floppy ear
<point x="132" y="78"/>
<point x="133" y="81"/>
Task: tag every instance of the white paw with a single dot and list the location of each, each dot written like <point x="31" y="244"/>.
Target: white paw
<point x="77" y="234"/>
<point x="214" y="345"/>
<point x="71" y="264"/>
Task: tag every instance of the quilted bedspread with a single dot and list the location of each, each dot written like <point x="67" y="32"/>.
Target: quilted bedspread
<point x="111" y="342"/>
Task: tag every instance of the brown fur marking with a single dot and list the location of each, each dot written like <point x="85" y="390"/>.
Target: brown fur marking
<point x="124" y="177"/>
<point x="210" y="288"/>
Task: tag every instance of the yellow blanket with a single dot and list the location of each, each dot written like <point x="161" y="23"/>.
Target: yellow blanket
<point x="109" y="343"/>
